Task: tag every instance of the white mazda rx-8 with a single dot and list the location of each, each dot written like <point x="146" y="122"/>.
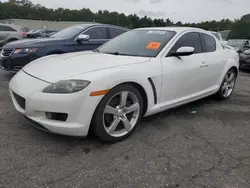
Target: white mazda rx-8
<point x="139" y="73"/>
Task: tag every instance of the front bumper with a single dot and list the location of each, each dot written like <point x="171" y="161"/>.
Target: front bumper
<point x="79" y="106"/>
<point x="14" y="63"/>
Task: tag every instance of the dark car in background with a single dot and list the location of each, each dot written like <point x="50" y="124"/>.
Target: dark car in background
<point x="10" y="33"/>
<point x="244" y="56"/>
<point x="81" y="37"/>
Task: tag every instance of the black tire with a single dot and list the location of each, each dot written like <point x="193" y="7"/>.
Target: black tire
<point x="219" y="95"/>
<point x="98" y="127"/>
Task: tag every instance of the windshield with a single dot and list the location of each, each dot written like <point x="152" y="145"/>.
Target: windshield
<point x="147" y="43"/>
<point x="69" y="32"/>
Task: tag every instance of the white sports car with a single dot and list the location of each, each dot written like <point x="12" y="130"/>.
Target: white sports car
<point x="139" y="73"/>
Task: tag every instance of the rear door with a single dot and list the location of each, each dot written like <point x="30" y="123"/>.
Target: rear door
<point x="213" y="58"/>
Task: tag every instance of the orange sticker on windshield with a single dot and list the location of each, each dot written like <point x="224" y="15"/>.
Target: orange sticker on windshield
<point x="153" y="45"/>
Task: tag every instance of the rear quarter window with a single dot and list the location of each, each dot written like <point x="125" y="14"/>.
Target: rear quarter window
<point x="209" y="43"/>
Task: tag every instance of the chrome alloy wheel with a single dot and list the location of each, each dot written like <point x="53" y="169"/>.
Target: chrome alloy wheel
<point x="228" y="84"/>
<point x="121" y="114"/>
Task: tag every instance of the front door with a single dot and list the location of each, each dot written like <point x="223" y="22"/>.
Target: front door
<point x="183" y="76"/>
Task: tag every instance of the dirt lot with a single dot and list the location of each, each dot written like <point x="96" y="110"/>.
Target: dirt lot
<point x="177" y="148"/>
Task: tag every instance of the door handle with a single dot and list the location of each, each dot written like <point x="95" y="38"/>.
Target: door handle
<point x="203" y="64"/>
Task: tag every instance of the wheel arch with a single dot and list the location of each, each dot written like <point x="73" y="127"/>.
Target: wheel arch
<point x="138" y="86"/>
<point x="235" y="69"/>
<point x="231" y="64"/>
<point x="142" y="92"/>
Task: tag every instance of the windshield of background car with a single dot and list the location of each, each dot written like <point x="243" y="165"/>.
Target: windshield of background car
<point x="69" y="32"/>
<point x="235" y="43"/>
<point x="146" y="43"/>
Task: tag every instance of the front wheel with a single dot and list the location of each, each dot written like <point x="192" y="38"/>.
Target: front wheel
<point x="227" y="85"/>
<point x="118" y="114"/>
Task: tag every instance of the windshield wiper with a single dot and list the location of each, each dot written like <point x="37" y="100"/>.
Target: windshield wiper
<point x="118" y="53"/>
<point x="114" y="53"/>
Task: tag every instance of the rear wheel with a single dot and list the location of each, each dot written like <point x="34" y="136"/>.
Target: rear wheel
<point x="227" y="85"/>
<point x="118" y="114"/>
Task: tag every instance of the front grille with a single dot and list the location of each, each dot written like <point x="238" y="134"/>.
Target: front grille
<point x="20" y="100"/>
<point x="7" y="52"/>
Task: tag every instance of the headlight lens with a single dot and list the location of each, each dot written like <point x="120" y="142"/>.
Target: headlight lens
<point x="66" y="86"/>
<point x="25" y="51"/>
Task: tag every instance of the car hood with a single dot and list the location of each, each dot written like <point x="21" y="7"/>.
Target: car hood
<point x="57" y="67"/>
<point x="31" y="43"/>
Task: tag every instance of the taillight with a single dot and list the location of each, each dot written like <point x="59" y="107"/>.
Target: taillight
<point x="24" y="34"/>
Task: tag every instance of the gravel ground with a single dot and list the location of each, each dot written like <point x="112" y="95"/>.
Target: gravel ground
<point x="176" y="148"/>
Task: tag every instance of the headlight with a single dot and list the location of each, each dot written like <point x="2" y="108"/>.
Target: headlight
<point x="25" y="51"/>
<point x="66" y="86"/>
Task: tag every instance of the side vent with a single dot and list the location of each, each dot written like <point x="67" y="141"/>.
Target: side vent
<point x="153" y="88"/>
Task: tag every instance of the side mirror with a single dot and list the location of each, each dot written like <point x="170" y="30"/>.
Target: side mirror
<point x="83" y="37"/>
<point x="183" y="51"/>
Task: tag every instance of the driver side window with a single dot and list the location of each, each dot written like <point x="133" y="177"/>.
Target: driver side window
<point x="191" y="39"/>
<point x="97" y="33"/>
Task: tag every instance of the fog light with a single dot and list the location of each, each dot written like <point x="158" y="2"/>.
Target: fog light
<point x="56" y="116"/>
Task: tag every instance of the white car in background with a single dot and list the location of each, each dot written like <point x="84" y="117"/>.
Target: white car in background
<point x="222" y="40"/>
<point x="137" y="74"/>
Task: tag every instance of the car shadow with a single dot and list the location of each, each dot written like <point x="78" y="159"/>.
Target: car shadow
<point x="91" y="142"/>
<point x="245" y="71"/>
<point x="192" y="106"/>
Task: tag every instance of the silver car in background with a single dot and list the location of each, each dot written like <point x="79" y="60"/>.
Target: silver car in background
<point x="9" y="33"/>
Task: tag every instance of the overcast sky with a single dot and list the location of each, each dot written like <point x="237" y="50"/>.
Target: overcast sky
<point x="183" y="10"/>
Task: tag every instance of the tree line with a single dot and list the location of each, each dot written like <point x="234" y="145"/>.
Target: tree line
<point x="25" y="9"/>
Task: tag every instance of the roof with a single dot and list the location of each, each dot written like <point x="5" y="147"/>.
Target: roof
<point x="84" y="24"/>
<point x="42" y="24"/>
<point x="7" y="24"/>
<point x="98" y="24"/>
<point x="10" y="25"/>
<point x="115" y="26"/>
<point x="177" y="29"/>
<point x="94" y="23"/>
